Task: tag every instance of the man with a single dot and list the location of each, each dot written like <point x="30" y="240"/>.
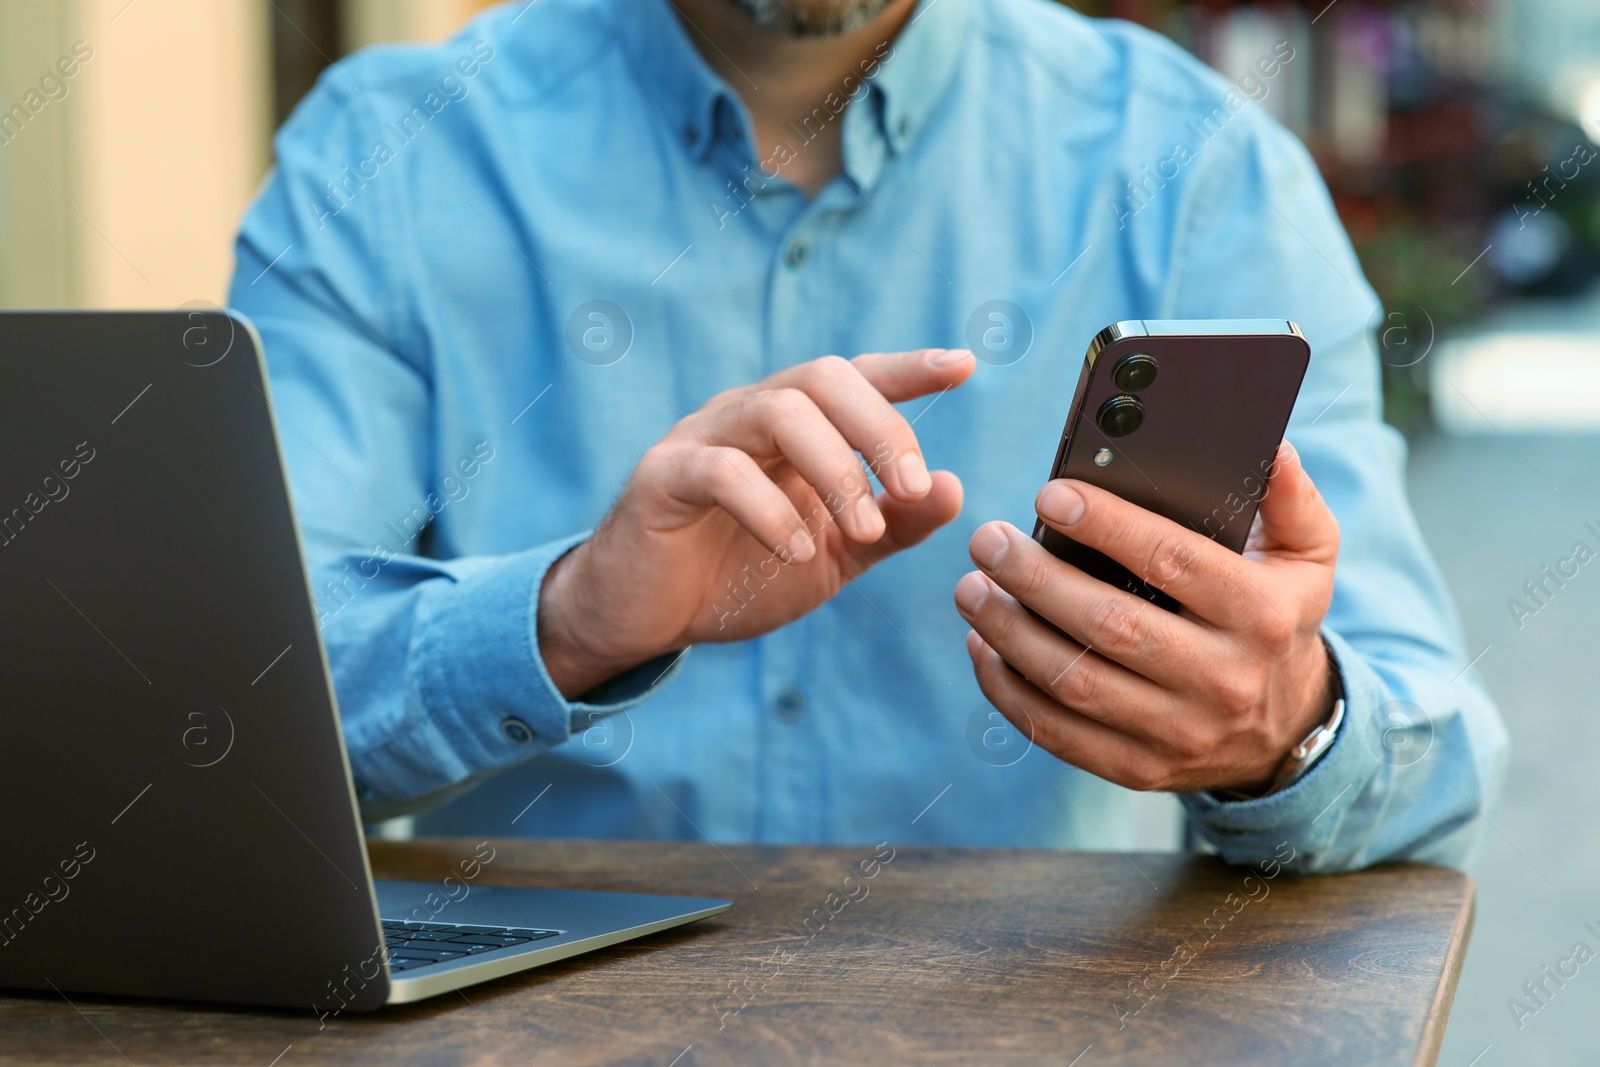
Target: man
<point x="592" y="246"/>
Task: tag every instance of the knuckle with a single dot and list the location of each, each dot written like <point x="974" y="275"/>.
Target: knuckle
<point x="725" y="397"/>
<point x="685" y="429"/>
<point x="1276" y="631"/>
<point x="1191" y="742"/>
<point x="1033" y="580"/>
<point x="843" y="489"/>
<point x="1235" y="691"/>
<point x="1075" y="684"/>
<point x="1141" y="773"/>
<point x="1120" y="627"/>
<point x="1002" y="625"/>
<point x="1109" y="530"/>
<point x="654" y="457"/>
<point x="892" y="437"/>
<point x="785" y="403"/>
<point x="720" y="472"/>
<point x="738" y="461"/>
<point x="850" y="477"/>
<point x="1170" y="562"/>
<point x="660" y="460"/>
<point x="826" y="370"/>
<point x="894" y="426"/>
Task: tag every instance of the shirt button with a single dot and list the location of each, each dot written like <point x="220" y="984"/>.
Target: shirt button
<point x="905" y="125"/>
<point x="790" y="704"/>
<point x="691" y="134"/>
<point x="798" y="254"/>
<point x="516" y="731"/>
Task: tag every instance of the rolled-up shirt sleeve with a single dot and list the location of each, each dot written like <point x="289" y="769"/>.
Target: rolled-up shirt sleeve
<point x="435" y="663"/>
<point x="1417" y="765"/>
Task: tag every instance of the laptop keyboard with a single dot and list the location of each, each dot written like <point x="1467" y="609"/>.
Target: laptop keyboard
<point x="419" y="944"/>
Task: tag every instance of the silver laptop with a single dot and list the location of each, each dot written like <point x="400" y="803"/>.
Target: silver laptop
<point x="180" y="816"/>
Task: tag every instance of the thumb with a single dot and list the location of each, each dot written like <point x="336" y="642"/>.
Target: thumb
<point x="906" y="523"/>
<point x="1294" y="519"/>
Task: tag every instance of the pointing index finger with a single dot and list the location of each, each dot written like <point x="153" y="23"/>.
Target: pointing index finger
<point x="908" y="375"/>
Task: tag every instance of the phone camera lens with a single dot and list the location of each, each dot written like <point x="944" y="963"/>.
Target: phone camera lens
<point x="1135" y="372"/>
<point x="1120" y="416"/>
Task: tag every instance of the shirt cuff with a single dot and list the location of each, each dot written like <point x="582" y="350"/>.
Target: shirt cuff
<point x="1307" y="814"/>
<point x="487" y="699"/>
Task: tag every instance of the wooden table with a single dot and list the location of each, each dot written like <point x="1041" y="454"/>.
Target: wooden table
<point x="944" y="956"/>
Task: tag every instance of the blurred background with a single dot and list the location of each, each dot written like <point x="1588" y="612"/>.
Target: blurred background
<point x="1460" y="138"/>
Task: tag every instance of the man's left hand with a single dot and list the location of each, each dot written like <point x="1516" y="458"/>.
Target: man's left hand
<point x="1213" y="697"/>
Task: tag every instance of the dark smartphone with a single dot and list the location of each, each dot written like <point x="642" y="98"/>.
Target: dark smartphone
<point x="1183" y="418"/>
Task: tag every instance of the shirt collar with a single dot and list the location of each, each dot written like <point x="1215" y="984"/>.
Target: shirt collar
<point x="915" y="70"/>
<point x="919" y="67"/>
<point x="688" y="92"/>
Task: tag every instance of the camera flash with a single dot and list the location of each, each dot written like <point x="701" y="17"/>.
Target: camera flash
<point x="1102" y="458"/>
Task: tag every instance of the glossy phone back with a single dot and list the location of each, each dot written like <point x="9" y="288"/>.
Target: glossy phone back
<point x="1212" y="419"/>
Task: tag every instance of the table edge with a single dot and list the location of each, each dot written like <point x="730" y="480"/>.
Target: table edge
<point x="1450" y="979"/>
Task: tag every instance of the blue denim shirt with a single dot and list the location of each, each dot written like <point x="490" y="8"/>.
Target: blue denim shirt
<point x="490" y="273"/>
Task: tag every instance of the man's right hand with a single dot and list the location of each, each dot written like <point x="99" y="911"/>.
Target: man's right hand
<point x="749" y="513"/>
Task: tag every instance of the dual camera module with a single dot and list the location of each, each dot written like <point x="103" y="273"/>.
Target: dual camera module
<point x="1122" y="414"/>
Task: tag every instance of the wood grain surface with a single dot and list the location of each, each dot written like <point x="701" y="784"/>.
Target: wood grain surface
<point x="943" y="956"/>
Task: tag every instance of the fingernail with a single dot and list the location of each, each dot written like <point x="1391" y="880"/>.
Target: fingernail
<point x="974" y="644"/>
<point x="988" y="546"/>
<point x="945" y="358"/>
<point x="914" y="476"/>
<point x="971" y="591"/>
<point x="1060" y="504"/>
<point x="868" y="519"/>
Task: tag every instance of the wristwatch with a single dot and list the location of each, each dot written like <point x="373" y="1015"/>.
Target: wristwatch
<point x="1302" y="757"/>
